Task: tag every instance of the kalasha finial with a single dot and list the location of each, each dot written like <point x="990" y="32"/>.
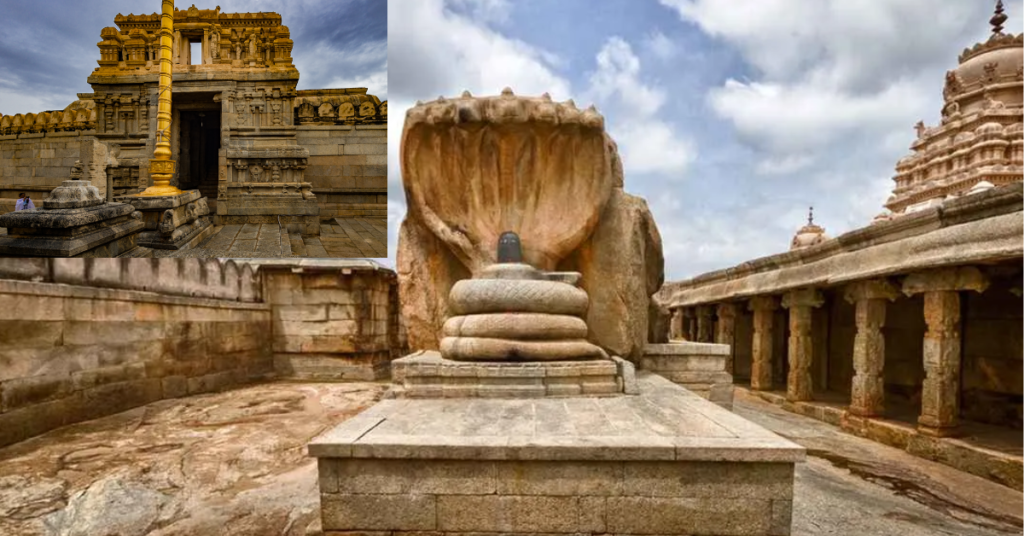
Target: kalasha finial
<point x="810" y="216"/>
<point x="998" y="19"/>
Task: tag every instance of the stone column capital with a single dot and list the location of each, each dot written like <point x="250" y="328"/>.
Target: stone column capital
<point x="805" y="297"/>
<point x="728" y="310"/>
<point x="766" y="303"/>
<point x="870" y="289"/>
<point x="948" y="279"/>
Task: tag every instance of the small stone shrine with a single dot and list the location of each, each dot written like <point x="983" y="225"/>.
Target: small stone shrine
<point x="74" y="221"/>
<point x="516" y="416"/>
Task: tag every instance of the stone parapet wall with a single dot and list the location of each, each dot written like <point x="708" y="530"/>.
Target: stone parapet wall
<point x="347" y="168"/>
<point x="332" y="320"/>
<point x="78" y="343"/>
<point x="201" y="278"/>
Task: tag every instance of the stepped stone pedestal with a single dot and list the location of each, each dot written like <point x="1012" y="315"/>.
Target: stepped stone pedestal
<point x="173" y="222"/>
<point x="520" y="425"/>
<point x="699" y="367"/>
<point x="664" y="461"/>
<point x="426" y="374"/>
<point x="74" y="221"/>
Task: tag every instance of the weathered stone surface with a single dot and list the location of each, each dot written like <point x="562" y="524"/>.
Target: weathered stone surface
<point x="622" y="266"/>
<point x="229" y="463"/>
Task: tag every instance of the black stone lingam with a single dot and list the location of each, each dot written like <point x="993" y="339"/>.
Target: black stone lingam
<point x="509" y="248"/>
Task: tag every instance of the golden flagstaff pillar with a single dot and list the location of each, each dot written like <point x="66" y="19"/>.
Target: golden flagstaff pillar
<point x="161" y="167"/>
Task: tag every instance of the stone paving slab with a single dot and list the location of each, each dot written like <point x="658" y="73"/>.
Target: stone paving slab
<point x="663" y="422"/>
<point x="340" y="238"/>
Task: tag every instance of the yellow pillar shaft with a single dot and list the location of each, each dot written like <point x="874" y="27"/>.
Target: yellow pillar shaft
<point x="161" y="167"/>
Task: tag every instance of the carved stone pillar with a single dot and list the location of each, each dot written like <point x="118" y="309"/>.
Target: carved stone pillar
<point x="676" y="324"/>
<point x="940" y="393"/>
<point x="867" y="389"/>
<point x="689" y="329"/>
<point x="705" y="321"/>
<point x="761" y="351"/>
<point x="800" y="383"/>
<point x="725" y="331"/>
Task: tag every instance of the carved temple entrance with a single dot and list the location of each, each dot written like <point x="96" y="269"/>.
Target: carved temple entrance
<point x="197" y="138"/>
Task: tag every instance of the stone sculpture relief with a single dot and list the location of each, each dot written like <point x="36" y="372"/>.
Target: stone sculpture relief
<point x="475" y="168"/>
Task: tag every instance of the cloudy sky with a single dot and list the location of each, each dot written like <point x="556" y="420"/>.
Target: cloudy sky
<point x="732" y="116"/>
<point x="48" y="47"/>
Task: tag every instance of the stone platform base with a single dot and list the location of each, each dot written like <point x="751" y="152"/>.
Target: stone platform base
<point x="700" y="367"/>
<point x="663" y="462"/>
<point x="426" y="374"/>
<point x="332" y="367"/>
<point x="203" y="230"/>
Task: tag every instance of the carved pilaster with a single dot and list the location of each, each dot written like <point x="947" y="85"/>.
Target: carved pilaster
<point x="725" y="330"/>
<point x="761" y="349"/>
<point x="867" y="389"/>
<point x="940" y="392"/>
<point x="800" y="384"/>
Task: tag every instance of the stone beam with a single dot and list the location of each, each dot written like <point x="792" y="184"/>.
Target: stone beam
<point x="761" y="351"/>
<point x="800" y="384"/>
<point x="867" y="390"/>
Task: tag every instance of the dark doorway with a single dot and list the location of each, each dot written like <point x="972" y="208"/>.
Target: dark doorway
<point x="200" y="143"/>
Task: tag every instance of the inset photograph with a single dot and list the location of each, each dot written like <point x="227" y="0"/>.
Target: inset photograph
<point x="193" y="132"/>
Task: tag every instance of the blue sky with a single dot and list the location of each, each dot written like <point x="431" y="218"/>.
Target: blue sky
<point x="48" y="48"/>
<point x="732" y="116"/>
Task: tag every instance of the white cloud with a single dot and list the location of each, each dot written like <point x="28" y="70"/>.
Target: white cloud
<point x="647" y="143"/>
<point x="434" y="51"/>
<point x="661" y="46"/>
<point x="831" y="70"/>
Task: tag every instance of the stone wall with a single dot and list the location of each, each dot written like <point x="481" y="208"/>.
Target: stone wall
<point x="332" y="319"/>
<point x="84" y="338"/>
<point x="992" y="357"/>
<point x="473" y="497"/>
<point x="348" y="168"/>
<point x="36" y="163"/>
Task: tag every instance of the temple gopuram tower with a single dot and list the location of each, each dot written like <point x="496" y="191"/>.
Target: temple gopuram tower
<point x="980" y="142"/>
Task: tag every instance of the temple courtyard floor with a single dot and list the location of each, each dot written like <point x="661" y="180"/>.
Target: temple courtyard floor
<point x="347" y="238"/>
<point x="340" y="238"/>
<point x="235" y="463"/>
